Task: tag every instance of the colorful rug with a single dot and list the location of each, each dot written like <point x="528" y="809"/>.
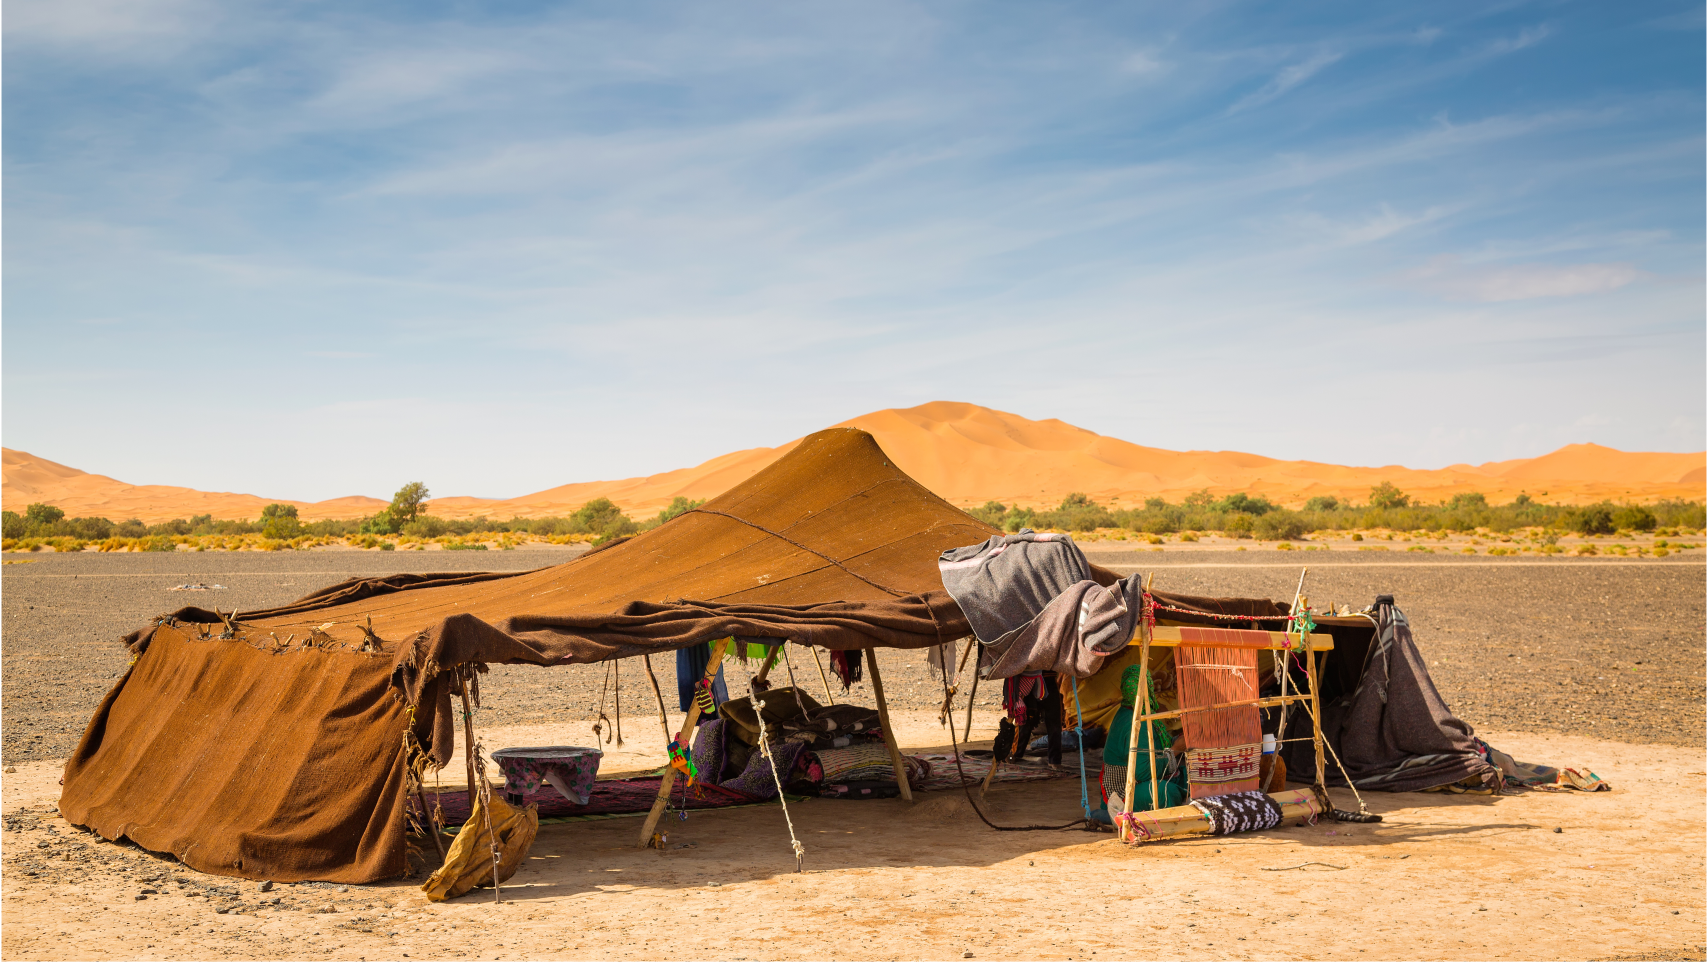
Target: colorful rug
<point x="610" y="796"/>
<point x="617" y="797"/>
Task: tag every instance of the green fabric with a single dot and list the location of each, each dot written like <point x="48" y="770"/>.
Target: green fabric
<point x="1121" y="728"/>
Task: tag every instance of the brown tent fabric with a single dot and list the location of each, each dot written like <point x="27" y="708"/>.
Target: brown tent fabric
<point x="242" y="762"/>
<point x="277" y="750"/>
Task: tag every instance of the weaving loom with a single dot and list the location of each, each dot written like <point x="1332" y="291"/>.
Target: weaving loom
<point x="1216" y="679"/>
<point x="1223" y="746"/>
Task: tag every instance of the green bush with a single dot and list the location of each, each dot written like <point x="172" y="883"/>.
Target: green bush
<point x="1388" y="496"/>
<point x="678" y="506"/>
<point x="40" y="514"/>
<point x="1634" y="518"/>
<point x="1322" y="503"/>
<point x="1279" y="524"/>
<point x="1592" y="520"/>
<point x="426" y="526"/>
<point x="406" y="504"/>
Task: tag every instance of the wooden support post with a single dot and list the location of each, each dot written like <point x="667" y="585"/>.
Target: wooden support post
<point x="825" y="678"/>
<point x="1141" y="709"/>
<point x="972" y="697"/>
<point x="1316" y="720"/>
<point x="889" y="731"/>
<point x="758" y="684"/>
<point x="663" y="717"/>
<point x="719" y="647"/>
<point x="468" y="733"/>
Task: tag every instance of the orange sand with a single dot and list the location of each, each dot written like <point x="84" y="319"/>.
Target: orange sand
<point x="967" y="454"/>
<point x="29" y="479"/>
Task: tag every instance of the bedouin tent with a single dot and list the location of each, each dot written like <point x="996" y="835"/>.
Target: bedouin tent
<point x="280" y="744"/>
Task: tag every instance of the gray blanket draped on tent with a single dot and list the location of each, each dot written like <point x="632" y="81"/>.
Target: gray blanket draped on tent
<point x="1393" y="732"/>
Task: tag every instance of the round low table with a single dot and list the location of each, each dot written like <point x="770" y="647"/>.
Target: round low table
<point x="568" y="769"/>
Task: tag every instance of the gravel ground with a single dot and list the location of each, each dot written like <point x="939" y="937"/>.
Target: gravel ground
<point x="1610" y="648"/>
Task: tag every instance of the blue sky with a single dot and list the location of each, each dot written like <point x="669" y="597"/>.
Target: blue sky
<point x="309" y="250"/>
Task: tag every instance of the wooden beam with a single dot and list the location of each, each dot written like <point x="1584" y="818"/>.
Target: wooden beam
<point x="1170" y="636"/>
<point x="889" y="732"/>
<point x="685" y="738"/>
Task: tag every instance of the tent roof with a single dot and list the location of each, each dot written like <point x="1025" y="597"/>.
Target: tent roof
<point x="833" y="521"/>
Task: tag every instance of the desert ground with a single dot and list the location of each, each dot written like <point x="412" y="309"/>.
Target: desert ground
<point x="1591" y="662"/>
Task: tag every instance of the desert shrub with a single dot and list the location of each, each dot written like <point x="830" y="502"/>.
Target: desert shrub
<point x="406" y="504"/>
<point x="991" y="513"/>
<point x="1077" y="513"/>
<point x="425" y="526"/>
<point x="1467" y="500"/>
<point x="40" y="514"/>
<point x="155" y="543"/>
<point x="678" y="506"/>
<point x="1677" y="513"/>
<point x="132" y="528"/>
<point x="1387" y="495"/>
<point x="12" y="525"/>
<point x="1322" y="503"/>
<point x="1592" y="520"/>
<point x="1634" y="518"/>
<point x="1279" y="524"/>
<point x="1238" y="525"/>
<point x="1249" y="504"/>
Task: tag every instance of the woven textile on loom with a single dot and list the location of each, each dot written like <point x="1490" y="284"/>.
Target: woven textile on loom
<point x="1223" y="746"/>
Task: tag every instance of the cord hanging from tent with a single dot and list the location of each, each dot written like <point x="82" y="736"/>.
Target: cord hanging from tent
<point x="1079" y="739"/>
<point x="966" y="787"/>
<point x="765" y="747"/>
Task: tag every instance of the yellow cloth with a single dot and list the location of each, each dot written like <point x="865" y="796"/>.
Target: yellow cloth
<point x="1100" y="695"/>
<point x="468" y="863"/>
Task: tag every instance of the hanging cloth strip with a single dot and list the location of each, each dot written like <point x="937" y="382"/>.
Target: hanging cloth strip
<point x="1015" y="691"/>
<point x="847" y="665"/>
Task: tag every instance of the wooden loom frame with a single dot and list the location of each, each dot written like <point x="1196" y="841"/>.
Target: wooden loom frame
<point x="1186" y="820"/>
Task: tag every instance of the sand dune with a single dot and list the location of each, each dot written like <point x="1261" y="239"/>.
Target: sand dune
<point x="967" y="454"/>
<point x="27" y="479"/>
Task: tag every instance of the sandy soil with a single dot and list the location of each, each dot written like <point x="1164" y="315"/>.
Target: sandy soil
<point x="1459" y="878"/>
<point x="1608" y="650"/>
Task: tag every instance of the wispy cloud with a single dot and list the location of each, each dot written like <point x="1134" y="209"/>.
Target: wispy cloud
<point x="1447" y="276"/>
<point x="1528" y="37"/>
<point x="1288" y="78"/>
<point x="846" y="209"/>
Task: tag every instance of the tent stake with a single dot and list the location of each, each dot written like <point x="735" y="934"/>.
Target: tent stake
<point x="684" y="738"/>
<point x="889" y="731"/>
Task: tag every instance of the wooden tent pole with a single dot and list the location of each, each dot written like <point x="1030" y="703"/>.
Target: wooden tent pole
<point x="889" y="732"/>
<point x="663" y="717"/>
<point x="823" y="676"/>
<point x="684" y="738"/>
<point x="765" y="667"/>
<point x="1316" y="720"/>
<point x="972" y="697"/>
<point x="1141" y="708"/>
<point x="468" y="732"/>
